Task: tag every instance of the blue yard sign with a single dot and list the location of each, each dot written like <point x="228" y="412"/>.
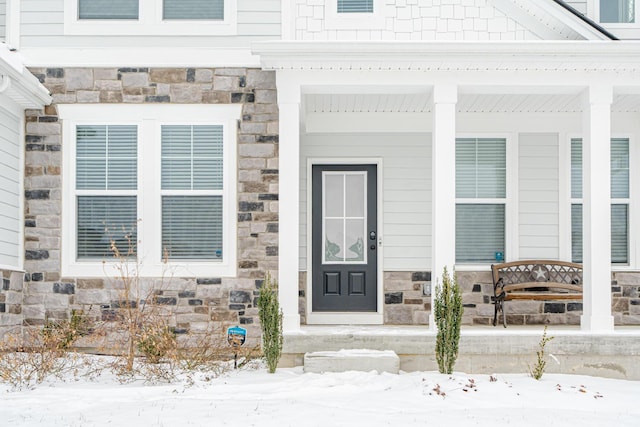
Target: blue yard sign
<point x="236" y="336"/>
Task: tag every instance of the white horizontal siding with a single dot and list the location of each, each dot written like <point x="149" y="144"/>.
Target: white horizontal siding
<point x="406" y="174"/>
<point x="3" y="20"/>
<point x="10" y="190"/>
<point x="42" y="25"/>
<point x="538" y="196"/>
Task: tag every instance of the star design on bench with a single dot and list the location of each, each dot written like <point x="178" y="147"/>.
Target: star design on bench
<point x="540" y="273"/>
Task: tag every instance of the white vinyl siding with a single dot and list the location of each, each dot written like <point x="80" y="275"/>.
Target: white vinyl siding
<point x="538" y="196"/>
<point x="481" y="165"/>
<point x="619" y="200"/>
<point x="406" y="183"/>
<point x="579" y="5"/>
<point x="10" y="190"/>
<point x="3" y="20"/>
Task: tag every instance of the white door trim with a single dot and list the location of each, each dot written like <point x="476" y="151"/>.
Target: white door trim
<point x="339" y="318"/>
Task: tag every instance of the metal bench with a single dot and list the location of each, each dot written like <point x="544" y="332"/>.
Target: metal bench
<point x="540" y="280"/>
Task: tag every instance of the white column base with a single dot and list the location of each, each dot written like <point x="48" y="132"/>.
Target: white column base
<point x="596" y="323"/>
<point x="290" y="323"/>
<point x="432" y="321"/>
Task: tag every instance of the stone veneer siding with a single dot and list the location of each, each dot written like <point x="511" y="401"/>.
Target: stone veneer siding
<point x="10" y="301"/>
<point x="407" y="301"/>
<point x="198" y="302"/>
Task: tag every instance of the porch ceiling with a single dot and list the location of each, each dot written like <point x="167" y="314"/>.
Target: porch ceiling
<point x="467" y="103"/>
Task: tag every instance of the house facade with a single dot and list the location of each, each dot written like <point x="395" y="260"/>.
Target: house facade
<point x="352" y="148"/>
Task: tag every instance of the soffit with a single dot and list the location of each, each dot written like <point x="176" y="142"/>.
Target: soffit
<point x="467" y="103"/>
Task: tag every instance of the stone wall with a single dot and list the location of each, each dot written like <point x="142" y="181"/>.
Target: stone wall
<point x="196" y="301"/>
<point x="477" y="288"/>
<point x="11" y="299"/>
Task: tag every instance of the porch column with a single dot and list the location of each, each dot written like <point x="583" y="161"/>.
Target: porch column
<point x="596" y="209"/>
<point x="443" y="185"/>
<point x="289" y="200"/>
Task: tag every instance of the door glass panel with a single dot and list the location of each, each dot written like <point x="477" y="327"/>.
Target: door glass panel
<point x="334" y="195"/>
<point x="355" y="190"/>
<point x="344" y="217"/>
<point x="355" y="240"/>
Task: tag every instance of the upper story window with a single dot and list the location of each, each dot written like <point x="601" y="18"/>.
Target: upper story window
<point x="354" y="14"/>
<point x="617" y="11"/>
<point x="355" y="6"/>
<point x="152" y="17"/>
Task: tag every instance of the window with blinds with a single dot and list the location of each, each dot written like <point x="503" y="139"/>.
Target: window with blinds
<point x="106" y="184"/>
<point x="619" y="200"/>
<point x="355" y="6"/>
<point x="618" y="11"/>
<point x="480" y="199"/>
<point x="108" y="9"/>
<point x="193" y="9"/>
<point x="192" y="184"/>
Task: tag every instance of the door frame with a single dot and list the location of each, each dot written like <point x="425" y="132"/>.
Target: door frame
<point x="338" y="317"/>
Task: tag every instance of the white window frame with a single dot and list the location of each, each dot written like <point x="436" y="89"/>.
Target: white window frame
<point x="512" y="243"/>
<point x="149" y="119"/>
<point x="349" y="21"/>
<point x="149" y="22"/>
<point x="615" y="25"/>
<point x="631" y="216"/>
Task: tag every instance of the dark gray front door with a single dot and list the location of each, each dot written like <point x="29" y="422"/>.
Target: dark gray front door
<point x="344" y="238"/>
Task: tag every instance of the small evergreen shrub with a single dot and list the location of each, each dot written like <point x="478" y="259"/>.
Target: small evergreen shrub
<point x="270" y="322"/>
<point x="537" y="370"/>
<point x="448" y="316"/>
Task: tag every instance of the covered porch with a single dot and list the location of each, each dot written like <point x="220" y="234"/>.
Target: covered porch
<point x="404" y="109"/>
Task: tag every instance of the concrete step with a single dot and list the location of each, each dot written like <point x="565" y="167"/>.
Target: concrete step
<point x="352" y="360"/>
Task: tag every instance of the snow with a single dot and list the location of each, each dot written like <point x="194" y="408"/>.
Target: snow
<point x="252" y="397"/>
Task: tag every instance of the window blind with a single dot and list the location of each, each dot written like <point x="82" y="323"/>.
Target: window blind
<point x="193" y="9"/>
<point x="192" y="161"/>
<point x="192" y="157"/>
<point x="102" y="220"/>
<point x="108" y="9"/>
<point x="619" y="190"/>
<point x="480" y="168"/>
<point x="355" y="6"/>
<point x="106" y="157"/>
<point x="480" y="232"/>
<point x="192" y="227"/>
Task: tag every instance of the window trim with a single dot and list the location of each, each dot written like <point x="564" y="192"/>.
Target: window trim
<point x="350" y="21"/>
<point x="512" y="243"/>
<point x="629" y="202"/>
<point x="149" y="119"/>
<point x="149" y="22"/>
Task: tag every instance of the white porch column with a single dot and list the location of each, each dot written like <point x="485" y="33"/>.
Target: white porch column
<point x="443" y="184"/>
<point x="289" y="200"/>
<point x="596" y="209"/>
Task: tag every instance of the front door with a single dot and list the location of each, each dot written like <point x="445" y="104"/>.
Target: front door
<point x="344" y="238"/>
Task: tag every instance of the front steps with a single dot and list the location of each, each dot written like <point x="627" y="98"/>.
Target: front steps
<point x="352" y="360"/>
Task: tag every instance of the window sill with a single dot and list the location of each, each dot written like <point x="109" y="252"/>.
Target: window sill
<point x="115" y="269"/>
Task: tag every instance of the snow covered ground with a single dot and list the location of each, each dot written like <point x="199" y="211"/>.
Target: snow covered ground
<point x="252" y="397"/>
